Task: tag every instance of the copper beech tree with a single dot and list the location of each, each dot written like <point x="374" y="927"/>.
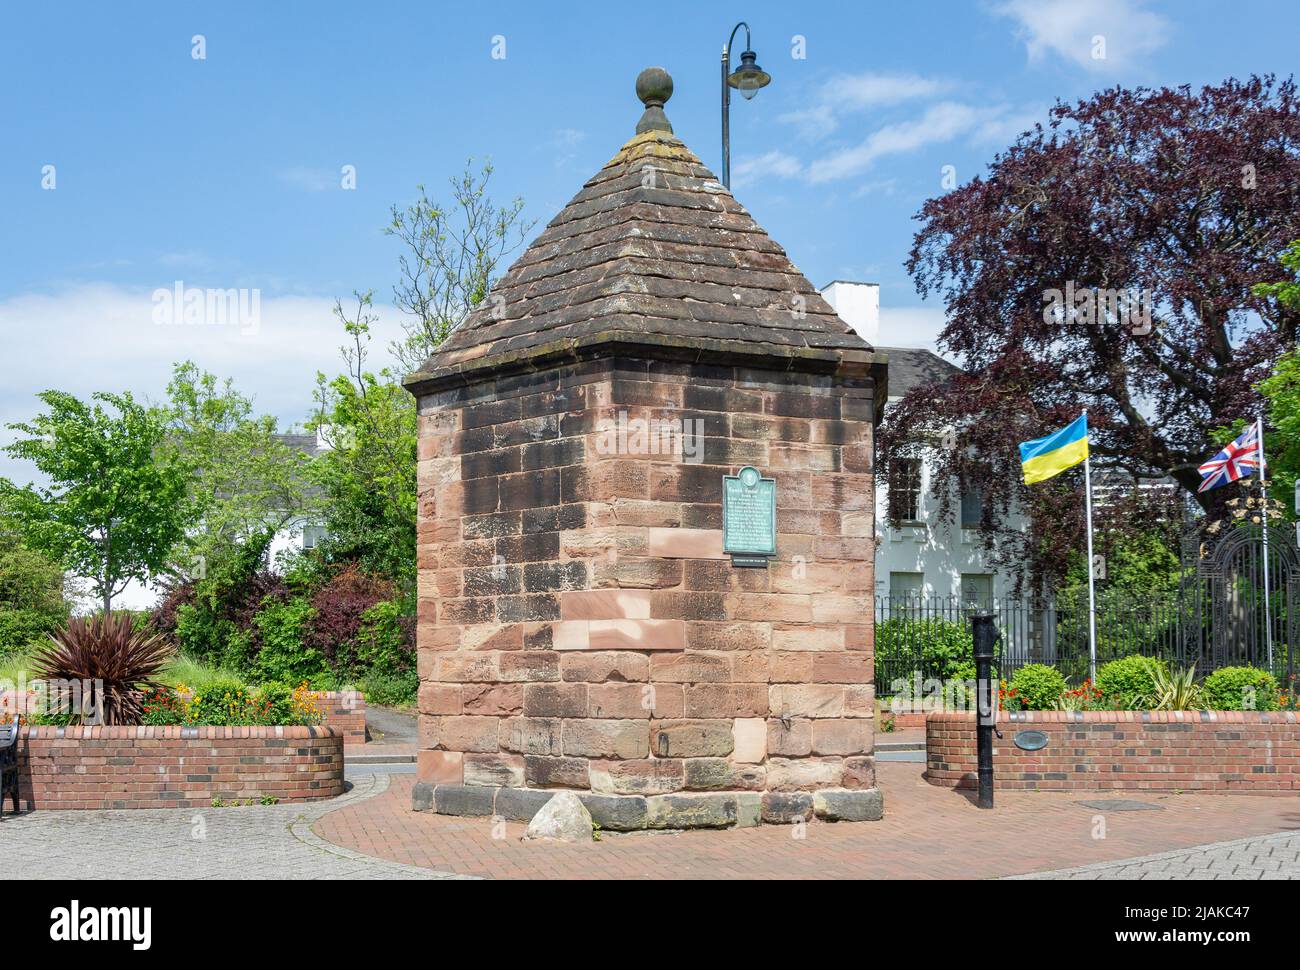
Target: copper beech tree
<point x="1108" y="260"/>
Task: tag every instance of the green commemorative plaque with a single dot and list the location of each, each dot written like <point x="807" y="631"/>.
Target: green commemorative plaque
<point x="748" y="517"/>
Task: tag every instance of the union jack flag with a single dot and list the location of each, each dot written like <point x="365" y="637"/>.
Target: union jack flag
<point x="1236" y="461"/>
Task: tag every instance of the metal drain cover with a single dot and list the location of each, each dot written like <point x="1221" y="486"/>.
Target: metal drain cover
<point x="1122" y="805"/>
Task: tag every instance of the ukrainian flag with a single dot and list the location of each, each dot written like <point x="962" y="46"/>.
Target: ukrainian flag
<point x="1044" y="458"/>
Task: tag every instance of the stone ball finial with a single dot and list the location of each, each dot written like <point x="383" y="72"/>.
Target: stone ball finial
<point x="654" y="86"/>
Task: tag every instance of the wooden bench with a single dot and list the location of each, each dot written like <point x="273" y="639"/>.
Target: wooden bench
<point x="9" y="763"/>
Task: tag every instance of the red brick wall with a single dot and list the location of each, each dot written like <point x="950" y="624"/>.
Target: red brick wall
<point x="175" y="767"/>
<point x="345" y="712"/>
<point x="579" y="625"/>
<point x="1236" y="751"/>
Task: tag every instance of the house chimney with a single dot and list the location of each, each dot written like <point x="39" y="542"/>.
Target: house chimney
<point x="857" y="304"/>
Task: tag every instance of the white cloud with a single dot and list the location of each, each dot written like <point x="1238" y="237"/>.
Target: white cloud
<point x="1004" y="128"/>
<point x="102" y="337"/>
<point x="941" y="122"/>
<point x="885" y="187"/>
<point x="910" y="326"/>
<point x="566" y="141"/>
<point x="1078" y="31"/>
<point x="568" y="137"/>
<point x="311" y="179"/>
<point x="847" y="93"/>
<point x="775" y="164"/>
<point x="189" y="258"/>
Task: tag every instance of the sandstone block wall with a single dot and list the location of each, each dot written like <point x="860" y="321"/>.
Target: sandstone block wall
<point x="579" y="625"/>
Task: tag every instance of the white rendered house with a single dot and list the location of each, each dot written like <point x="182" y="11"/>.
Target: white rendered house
<point x="924" y="557"/>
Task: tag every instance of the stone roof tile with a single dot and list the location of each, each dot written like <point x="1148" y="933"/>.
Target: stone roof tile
<point x="652" y="252"/>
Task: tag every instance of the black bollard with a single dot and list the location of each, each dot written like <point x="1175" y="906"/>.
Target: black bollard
<point x="985" y="635"/>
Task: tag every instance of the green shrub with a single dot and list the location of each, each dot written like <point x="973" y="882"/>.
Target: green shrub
<point x="1241" y="689"/>
<point x="199" y="634"/>
<point x="945" y="648"/>
<point x="383" y="645"/>
<point x="20" y="628"/>
<point x="1176" y="690"/>
<point x="222" y="702"/>
<point x="284" y="655"/>
<point x="1038" y="686"/>
<point x="31" y="598"/>
<point x="390" y="689"/>
<point x="276" y="700"/>
<point x="163" y="706"/>
<point x="1130" y="682"/>
<point x="229" y="702"/>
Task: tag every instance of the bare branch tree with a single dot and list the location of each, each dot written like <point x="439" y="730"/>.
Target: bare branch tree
<point x="453" y="253"/>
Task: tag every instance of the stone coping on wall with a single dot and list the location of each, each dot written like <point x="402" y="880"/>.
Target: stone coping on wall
<point x="966" y="718"/>
<point x="74" y="733"/>
<point x="680" y="810"/>
<point x="345" y="711"/>
<point x="103" y="767"/>
<point x="1253" y="752"/>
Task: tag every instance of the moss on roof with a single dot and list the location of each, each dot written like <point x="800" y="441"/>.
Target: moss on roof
<point x="653" y="252"/>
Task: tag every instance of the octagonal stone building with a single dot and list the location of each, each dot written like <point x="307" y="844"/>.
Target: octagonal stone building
<point x="580" y="625"/>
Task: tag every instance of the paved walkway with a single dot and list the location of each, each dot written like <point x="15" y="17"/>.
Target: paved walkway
<point x="392" y="737"/>
<point x="1271" y="857"/>
<point x="256" y="842"/>
<point x="927" y="832"/>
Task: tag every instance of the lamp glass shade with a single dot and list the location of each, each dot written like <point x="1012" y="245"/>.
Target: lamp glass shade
<point x="749" y="77"/>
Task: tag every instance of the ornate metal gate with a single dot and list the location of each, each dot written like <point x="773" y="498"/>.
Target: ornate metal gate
<point x="1232" y="616"/>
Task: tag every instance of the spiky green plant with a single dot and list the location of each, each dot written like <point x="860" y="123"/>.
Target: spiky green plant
<point x="112" y="663"/>
<point x="1175" y="690"/>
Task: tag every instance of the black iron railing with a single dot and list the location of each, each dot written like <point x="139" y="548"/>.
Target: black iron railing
<point x="929" y="637"/>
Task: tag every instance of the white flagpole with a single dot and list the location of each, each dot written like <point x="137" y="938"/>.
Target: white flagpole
<point x="1263" y="491"/>
<point x="1092" y="594"/>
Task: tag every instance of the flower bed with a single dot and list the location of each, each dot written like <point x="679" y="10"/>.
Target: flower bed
<point x="1250" y="752"/>
<point x="177" y="767"/>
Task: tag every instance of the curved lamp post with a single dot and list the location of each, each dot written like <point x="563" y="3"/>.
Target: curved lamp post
<point x="746" y="79"/>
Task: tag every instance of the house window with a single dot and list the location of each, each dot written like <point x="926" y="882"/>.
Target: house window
<point x="312" y="536"/>
<point x="906" y="586"/>
<point x="972" y="501"/>
<point x="977" y="589"/>
<point x="905" y="490"/>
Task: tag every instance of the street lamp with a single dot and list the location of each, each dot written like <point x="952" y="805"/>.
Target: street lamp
<point x="746" y="79"/>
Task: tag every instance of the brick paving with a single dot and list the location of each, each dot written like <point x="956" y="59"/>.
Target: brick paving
<point x="927" y="832"/>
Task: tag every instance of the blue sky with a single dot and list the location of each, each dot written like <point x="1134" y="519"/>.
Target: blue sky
<point x="224" y="172"/>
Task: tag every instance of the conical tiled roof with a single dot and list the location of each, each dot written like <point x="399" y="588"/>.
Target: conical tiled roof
<point x="655" y="254"/>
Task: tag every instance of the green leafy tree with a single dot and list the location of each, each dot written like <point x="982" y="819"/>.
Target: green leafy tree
<point x="1281" y="390"/>
<point x="1139" y="564"/>
<point x="369" y="472"/>
<point x="33" y="593"/>
<point x="244" y="481"/>
<point x="114" y="506"/>
<point x="450" y="258"/>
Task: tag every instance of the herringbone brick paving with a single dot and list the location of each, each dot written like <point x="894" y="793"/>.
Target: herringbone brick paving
<point x="928" y="832"/>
